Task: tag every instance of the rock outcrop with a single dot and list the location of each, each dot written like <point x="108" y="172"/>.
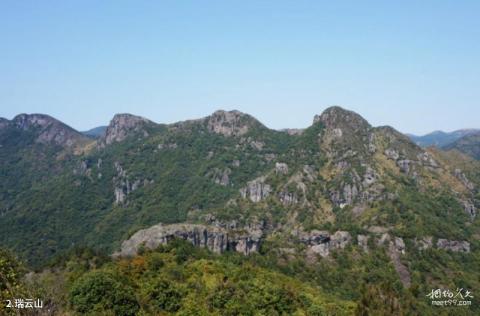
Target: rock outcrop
<point x="256" y="190"/>
<point x="47" y="130"/>
<point x="287" y="198"/>
<point x="124" y="125"/>
<point x="293" y="131"/>
<point x="424" y="243"/>
<point x="281" y="168"/>
<point x="469" y="208"/>
<point x="220" y="176"/>
<point x="216" y="239"/>
<point x="322" y="242"/>
<point x="453" y="245"/>
<point x="123" y="185"/>
<point x="336" y="117"/>
<point x="230" y="123"/>
<point x="362" y="241"/>
<point x="396" y="249"/>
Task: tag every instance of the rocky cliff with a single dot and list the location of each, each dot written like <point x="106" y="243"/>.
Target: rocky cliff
<point x="124" y="125"/>
<point x="231" y="123"/>
<point x="216" y="239"/>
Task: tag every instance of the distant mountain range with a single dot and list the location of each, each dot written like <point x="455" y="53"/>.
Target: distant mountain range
<point x="469" y="145"/>
<point x="96" y="132"/>
<point x="440" y="138"/>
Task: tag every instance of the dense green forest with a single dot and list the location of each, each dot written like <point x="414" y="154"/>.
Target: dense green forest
<point x="340" y="218"/>
<point x="184" y="280"/>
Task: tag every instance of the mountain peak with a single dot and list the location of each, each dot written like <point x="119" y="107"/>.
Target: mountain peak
<point x="49" y="129"/>
<point x="26" y="121"/>
<point x="122" y="125"/>
<point x="338" y="117"/>
<point x="231" y="123"/>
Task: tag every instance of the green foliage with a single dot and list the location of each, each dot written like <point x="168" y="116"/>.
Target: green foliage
<point x="99" y="292"/>
<point x="45" y="189"/>
<point x="162" y="295"/>
<point x="379" y="300"/>
<point x="11" y="286"/>
<point x="158" y="283"/>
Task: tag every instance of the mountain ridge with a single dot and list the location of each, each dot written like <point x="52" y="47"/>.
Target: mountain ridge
<point x="441" y="138"/>
<point x="340" y="189"/>
<point x="468" y="144"/>
<point x="46" y="128"/>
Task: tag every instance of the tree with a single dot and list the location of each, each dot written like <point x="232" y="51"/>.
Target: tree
<point x="102" y="292"/>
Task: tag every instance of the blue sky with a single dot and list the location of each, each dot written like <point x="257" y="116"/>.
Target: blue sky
<point x="414" y="65"/>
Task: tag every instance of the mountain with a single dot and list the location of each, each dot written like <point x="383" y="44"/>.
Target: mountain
<point x="96" y="132"/>
<point x="337" y="205"/>
<point x="469" y="145"/>
<point x="439" y="138"/>
<point x="42" y="129"/>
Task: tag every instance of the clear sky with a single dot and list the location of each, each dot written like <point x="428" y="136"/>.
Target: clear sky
<point x="414" y="65"/>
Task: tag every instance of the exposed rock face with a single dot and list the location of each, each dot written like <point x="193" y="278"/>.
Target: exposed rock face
<point x="453" y="245"/>
<point x="255" y="144"/>
<point x="383" y="239"/>
<point x="469" y="208"/>
<point x="230" y="123"/>
<point x="424" y="243"/>
<point x="281" y="168"/>
<point x="340" y="239"/>
<point x="167" y="146"/>
<point x="463" y="178"/>
<point x="404" y="165"/>
<point x="221" y="176"/>
<point x="256" y="190"/>
<point x="322" y="243"/>
<point x="411" y="157"/>
<point x="425" y="159"/>
<point x="378" y="229"/>
<point x="288" y="198"/>
<point x="48" y="129"/>
<point x="395" y="250"/>
<point x="345" y="134"/>
<point x="334" y="117"/>
<point x="363" y="242"/>
<point x="399" y="245"/>
<point x="392" y="154"/>
<point x="314" y="237"/>
<point x="123" y="125"/>
<point x="124" y="186"/>
<point x="370" y="177"/>
<point x="216" y="239"/>
<point x="293" y="131"/>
